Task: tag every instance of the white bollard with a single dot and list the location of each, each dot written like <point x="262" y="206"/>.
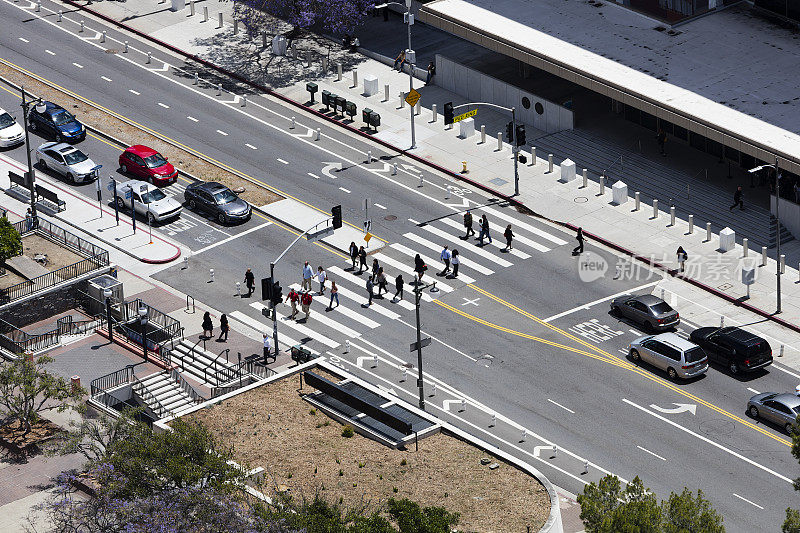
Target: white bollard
<point x="421" y="183"/>
<point x="191" y="7"/>
<point x="637" y="201"/>
<point x="763" y="256"/>
<point x="149" y="57"/>
<point x="586" y="467"/>
<point x="355" y="77"/>
<point x="319" y="133"/>
<point x="375" y="361"/>
<point x="555" y="451"/>
<point x="219" y="89"/>
<point x="499" y="140"/>
<point x="780" y="354"/>
<point x="369" y="156"/>
<point x="655" y="208"/>
<point x="83" y="26"/>
<point x="219" y="24"/>
<point x="602" y="186"/>
<point x="244" y="100"/>
<point x="433" y="391"/>
<point x="483" y="134"/>
<point x="418" y="109"/>
<point x="386" y="93"/>
<point x="338" y="72"/>
<point x="745" y="247"/>
<point x="434" y="114"/>
<point x="463" y="405"/>
<point x="533" y="155"/>
<point x="38" y="5"/>
<point x="550" y="160"/>
<point x="672" y="215"/>
<point x="60" y="14"/>
<point x="211" y="275"/>
<point x="205" y="13"/>
<point x="394" y="169"/>
<point x="524" y="435"/>
<point x="196" y="78"/>
<point x="294" y="124"/>
<point x="722" y="321"/>
<point x="708" y="231"/>
<point x="585" y="178"/>
<point x="125" y="48"/>
<point x="405" y="374"/>
<point x="239" y="289"/>
<point x="103" y="37"/>
<point x="347" y="346"/>
<point x="185" y="262"/>
<point x="494" y="420"/>
<point x="783" y="263"/>
<point x="402" y="100"/>
<point x="691" y="224"/>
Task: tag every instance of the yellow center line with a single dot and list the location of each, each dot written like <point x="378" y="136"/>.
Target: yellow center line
<point x="625" y="364"/>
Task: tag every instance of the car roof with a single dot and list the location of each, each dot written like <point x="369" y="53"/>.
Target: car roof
<point x="740" y="335"/>
<point x="141" y="150"/>
<point x="648" y="299"/>
<point x="675" y="341"/>
<point x="64" y="148"/>
<point x="789" y="399"/>
<point x="136" y="185"/>
<point x="51" y="108"/>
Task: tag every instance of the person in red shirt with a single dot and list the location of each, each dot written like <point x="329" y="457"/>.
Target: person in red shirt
<point x="293" y="298"/>
<point x="305" y="300"/>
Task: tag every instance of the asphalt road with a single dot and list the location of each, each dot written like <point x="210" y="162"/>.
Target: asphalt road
<point x="554" y="366"/>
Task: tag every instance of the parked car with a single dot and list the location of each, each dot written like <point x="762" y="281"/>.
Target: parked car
<point x="782" y="409"/>
<point x="732" y="347"/>
<point x="11" y="133"/>
<point x="675" y="355"/>
<point x="653" y="313"/>
<point x="217" y="200"/>
<point x="150" y="201"/>
<point x="147" y="164"/>
<point x="67" y="161"/>
<point x="56" y="122"/>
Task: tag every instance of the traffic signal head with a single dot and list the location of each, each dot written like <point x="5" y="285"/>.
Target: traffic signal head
<point x="510" y="133"/>
<point x="277" y="293"/>
<point x="520" y="134"/>
<point x="448" y="113"/>
<point x="266" y="289"/>
<point x="336" y="212"/>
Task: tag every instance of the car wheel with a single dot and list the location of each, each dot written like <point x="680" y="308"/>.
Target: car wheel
<point x="753" y="411"/>
<point x="42" y="164"/>
<point x="734" y="368"/>
<point x="614" y="310"/>
<point x="635" y="356"/>
<point x="673" y="375"/>
<point x="222" y="219"/>
<point x="193" y="204"/>
<point x="120" y="202"/>
<point x="123" y="169"/>
<point x="71" y="178"/>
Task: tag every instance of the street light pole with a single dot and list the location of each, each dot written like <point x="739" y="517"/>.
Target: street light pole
<point x="274" y="312"/>
<point x="515" y="150"/>
<point x="778" y="221"/>
<point x="418" y="288"/>
<point x="143" y="324"/>
<point x="107" y="293"/>
<point x="25" y="109"/>
<point x="410" y="22"/>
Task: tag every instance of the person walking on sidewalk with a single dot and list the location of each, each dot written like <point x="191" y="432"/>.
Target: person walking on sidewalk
<point x="382" y="282"/>
<point x="509" y="235"/>
<point x="468" y="224"/>
<point x="293" y="298"/>
<point x="579" y="237"/>
<point x="224" y="328"/>
<point x="661" y="138"/>
<point x="456" y="260"/>
<point x="308" y="273"/>
<point x="419" y="267"/>
<point x="682" y="257"/>
<point x="738" y="199"/>
<point x="362" y="259"/>
<point x="208" y="326"/>
<point x="484" y="230"/>
<point x="249" y="282"/>
<point x="431" y="73"/>
<point x="370" y="286"/>
<point x="334" y="295"/>
<point x="305" y="302"/>
<point x="400" y="60"/>
<point x="267" y="347"/>
<point x="398" y="285"/>
<point x="445" y="257"/>
<point x="353" y="253"/>
<point x="322" y="277"/>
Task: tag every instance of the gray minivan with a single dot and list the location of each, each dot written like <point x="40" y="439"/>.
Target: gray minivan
<point x="675" y="355"/>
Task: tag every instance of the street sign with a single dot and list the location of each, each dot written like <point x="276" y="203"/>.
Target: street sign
<point x="367" y="237"/>
<point x="413" y="97"/>
<point x="320" y="234"/>
<point x="110" y="185"/>
<point x="423" y="343"/>
<point x="128" y="193"/>
<point x="468" y="114"/>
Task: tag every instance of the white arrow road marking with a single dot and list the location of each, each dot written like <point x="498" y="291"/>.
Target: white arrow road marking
<point x="307" y="134"/>
<point x="388" y="389"/>
<point x="412" y="168"/>
<point x="235" y="100"/>
<point x="386" y="168"/>
<point x="360" y="361"/>
<point x="329" y="167"/>
<point x="681" y="407"/>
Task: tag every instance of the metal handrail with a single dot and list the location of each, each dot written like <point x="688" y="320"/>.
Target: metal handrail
<point x="145" y="394"/>
<point x="216" y="369"/>
<point x="186" y="386"/>
<point x="112" y="380"/>
<point x="187" y="304"/>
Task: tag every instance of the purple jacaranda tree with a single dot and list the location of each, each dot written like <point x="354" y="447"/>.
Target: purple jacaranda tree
<point x="339" y="17"/>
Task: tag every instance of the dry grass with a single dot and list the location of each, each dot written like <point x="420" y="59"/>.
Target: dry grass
<point x="182" y="159"/>
<point x="307" y="453"/>
<point x="33" y="244"/>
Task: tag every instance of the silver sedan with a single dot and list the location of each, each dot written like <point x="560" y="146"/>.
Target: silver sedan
<point x="781" y="409"/>
<point x="67" y="161"/>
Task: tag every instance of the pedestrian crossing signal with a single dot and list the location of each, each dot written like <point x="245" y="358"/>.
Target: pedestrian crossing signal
<point x="266" y="289"/>
<point x="448" y="113"/>
<point x="277" y="293"/>
<point x="510" y="133"/>
<point x="521" y="135"/>
<point x="336" y="212"/>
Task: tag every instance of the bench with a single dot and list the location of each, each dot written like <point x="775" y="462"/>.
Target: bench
<point x="26" y="267"/>
<point x="46" y="196"/>
<point x="19" y="188"/>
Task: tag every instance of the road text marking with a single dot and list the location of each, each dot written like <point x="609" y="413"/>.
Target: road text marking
<point x="467" y="301"/>
<point x="651" y="453"/>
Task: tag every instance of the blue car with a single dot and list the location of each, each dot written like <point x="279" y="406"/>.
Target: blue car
<point x="56" y="122"/>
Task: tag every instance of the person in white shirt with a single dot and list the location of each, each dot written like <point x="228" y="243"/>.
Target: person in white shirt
<point x="308" y="273"/>
<point x="267" y="347"/>
<point x="445" y="257"/>
<point x="322" y="278"/>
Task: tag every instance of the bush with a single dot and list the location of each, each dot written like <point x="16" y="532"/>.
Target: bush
<point x="347" y="431"/>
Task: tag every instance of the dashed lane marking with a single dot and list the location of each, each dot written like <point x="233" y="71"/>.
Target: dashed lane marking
<point x="748" y="501"/>
<point x="645" y="450"/>
<point x="24" y="40"/>
<point x="379" y="206"/>
<point x="561" y="406"/>
<point x="137" y="93"/>
<point x="165" y="106"/>
<point x="78" y="65"/>
<point x="314" y="176"/>
<point x="250" y="146"/>
<point x="50" y="52"/>
<point x="222" y="133"/>
<point x="285" y="162"/>
<point x="106" y="78"/>
<point x="345" y="190"/>
<point x="192" y="118"/>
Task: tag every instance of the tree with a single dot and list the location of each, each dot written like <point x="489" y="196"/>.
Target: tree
<point x="685" y="512"/>
<point x="792" y="522"/>
<point x="340" y="17"/>
<point x="10" y="241"/>
<point x="93" y="437"/>
<point x="27" y="389"/>
<point x="411" y="518"/>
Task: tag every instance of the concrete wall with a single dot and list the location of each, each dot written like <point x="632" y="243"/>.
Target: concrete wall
<point x="789" y="214"/>
<point x="479" y="87"/>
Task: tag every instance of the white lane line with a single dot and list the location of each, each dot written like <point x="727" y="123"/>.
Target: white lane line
<point x="637" y="333"/>
<point x="78" y="65"/>
<point x="50" y="52"/>
<point x="340" y="309"/>
<point x="250" y="146"/>
<point x="748" y="501"/>
<point x="106" y="78"/>
<point x="314" y="176"/>
<point x="784" y="370"/>
<point x="651" y="453"/>
<point x="611" y="297"/>
<point x="561" y="406"/>
<point x="467" y="263"/>
<point x="24" y="40"/>
<point x="137" y="93"/>
<point x="222" y="133"/>
<point x="165" y="106"/>
<point x="192" y="118"/>
<point x="345" y="190"/>
<point x="709" y="441"/>
<point x="232" y="237"/>
<point x="379" y="206"/>
<point x="282" y="161"/>
<point x="753" y="390"/>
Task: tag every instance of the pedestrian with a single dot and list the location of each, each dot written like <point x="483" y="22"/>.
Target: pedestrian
<point x="445" y="257"/>
<point x="305" y="302"/>
<point x="353" y="253"/>
<point x="29" y="219"/>
<point x="208" y="326"/>
<point x="293" y="298"/>
<point x="484" y="230"/>
<point x="398" y="285"/>
<point x="468" y="224"/>
<point x="362" y="260"/>
<point x="334" y="295"/>
<point x="399" y="60"/>
<point x="370" y="285"/>
<point x="661" y="138"/>
<point x="308" y="273"/>
<point x="509" y="235"/>
<point x="431" y="73"/>
<point x="456" y="260"/>
<point x="682" y="257"/>
<point x="419" y="267"/>
<point x="578" y="249"/>
<point x="223" y="328"/>
<point x="267" y="347"/>
<point x="375" y="267"/>
<point x="738" y="199"/>
<point x="250" y="282"/>
<point x="382" y="281"/>
<point x="322" y="277"/>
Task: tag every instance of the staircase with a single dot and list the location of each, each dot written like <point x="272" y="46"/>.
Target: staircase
<point x="207" y="368"/>
<point x="786" y="235"/>
<point x="162" y="394"/>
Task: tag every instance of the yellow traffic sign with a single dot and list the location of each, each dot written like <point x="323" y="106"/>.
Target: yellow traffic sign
<point x="459" y="118"/>
<point x="413" y="97"/>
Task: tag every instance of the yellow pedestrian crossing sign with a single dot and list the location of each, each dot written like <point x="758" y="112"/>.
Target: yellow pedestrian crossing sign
<point x="413" y="97"/>
<point x="464" y="116"/>
<point x="367" y="237"/>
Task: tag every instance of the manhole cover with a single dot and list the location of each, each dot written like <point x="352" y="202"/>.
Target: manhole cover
<point x="112" y="51"/>
<point x="390" y="217"/>
<point x="485" y="360"/>
<point x="718" y="427"/>
<point x="581" y="200"/>
<point x="725" y="286"/>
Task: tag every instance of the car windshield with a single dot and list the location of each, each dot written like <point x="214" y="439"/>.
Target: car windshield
<point x="661" y="307"/>
<point x="155" y="161"/>
<point x="153" y="195"/>
<point x="6" y="120"/>
<point x="62" y="117"/>
<point x="73" y="158"/>
<point x="224" y="197"/>
<point x="694" y="355"/>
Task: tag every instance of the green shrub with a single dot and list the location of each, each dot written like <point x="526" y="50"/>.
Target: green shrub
<point x="347" y="431"/>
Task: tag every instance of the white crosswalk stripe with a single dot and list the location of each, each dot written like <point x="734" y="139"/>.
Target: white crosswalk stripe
<point x="399" y="265"/>
<point x="340" y="309"/>
<point x="524" y="225"/>
<point x="497" y="241"/>
<point x="362" y="300"/>
<point x="477" y="250"/>
<point x="301" y="328"/>
<point x="265" y="328"/>
<point x="465" y="263"/>
<point x="500" y="229"/>
<point x="428" y="261"/>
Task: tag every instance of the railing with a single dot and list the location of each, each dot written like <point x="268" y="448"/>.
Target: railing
<point x="157" y="407"/>
<point x="112" y="380"/>
<point x="186" y="386"/>
<point x="226" y="371"/>
<point x="17" y="341"/>
<point x="55" y="277"/>
<point x="61" y="236"/>
<point x="68" y="326"/>
<point x="247" y="372"/>
<point x="187" y="304"/>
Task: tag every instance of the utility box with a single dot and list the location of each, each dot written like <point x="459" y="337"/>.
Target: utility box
<point x="727" y="240"/>
<point x="97" y="286"/>
<point x="466" y="128"/>
<point x="370" y="84"/>
<point x="619" y="193"/>
<point x="567" y="171"/>
<point x="748" y="275"/>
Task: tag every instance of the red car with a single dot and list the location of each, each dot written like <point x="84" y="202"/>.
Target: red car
<point x="147" y="164"/>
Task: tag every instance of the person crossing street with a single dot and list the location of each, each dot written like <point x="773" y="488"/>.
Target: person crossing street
<point x="509" y="235"/>
<point x="398" y="285"/>
<point x="370" y="286"/>
<point x="293" y="298"/>
<point x="322" y="277"/>
<point x="249" y="282"/>
<point x="445" y="257"/>
<point x="484" y="230"/>
<point x="334" y="295"/>
<point x="308" y="273"/>
<point x="353" y="253"/>
<point x="305" y="302"/>
<point x="362" y="260"/>
<point x="456" y="260"/>
<point x="579" y="237"/>
<point x="468" y="224"/>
